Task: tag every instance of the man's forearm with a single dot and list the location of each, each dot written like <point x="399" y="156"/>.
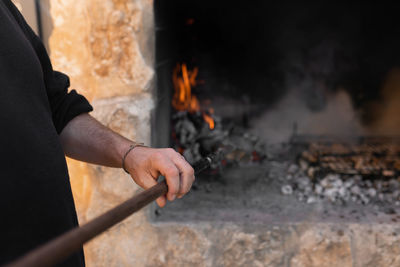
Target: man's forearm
<point x="86" y="139"/>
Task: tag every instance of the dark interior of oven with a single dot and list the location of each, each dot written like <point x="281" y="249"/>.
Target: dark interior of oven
<point x="316" y="83"/>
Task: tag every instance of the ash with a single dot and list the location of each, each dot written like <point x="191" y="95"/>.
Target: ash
<point x="316" y="174"/>
<point x="340" y="189"/>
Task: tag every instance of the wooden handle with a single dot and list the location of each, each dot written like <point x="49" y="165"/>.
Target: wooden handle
<point x="63" y="246"/>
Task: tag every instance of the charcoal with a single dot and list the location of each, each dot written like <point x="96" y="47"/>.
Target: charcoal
<point x="311" y="199"/>
<point x="342" y="191"/>
<point x="303" y="165"/>
<point x="293" y="168"/>
<point x="355" y="190"/>
<point x="331" y="194"/>
<point x="193" y="137"/>
<point x="300" y="196"/>
<point x="318" y="189"/>
<point x="348" y="183"/>
<point x="341" y="188"/>
<point x="286" y="190"/>
<point x="371" y="192"/>
<point x="364" y="199"/>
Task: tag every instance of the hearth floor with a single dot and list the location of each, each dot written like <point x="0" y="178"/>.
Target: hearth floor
<point x="252" y="195"/>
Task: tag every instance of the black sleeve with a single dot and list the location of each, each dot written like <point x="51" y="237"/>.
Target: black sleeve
<point x="64" y="105"/>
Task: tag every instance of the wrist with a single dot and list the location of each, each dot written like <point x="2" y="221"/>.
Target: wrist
<point x="129" y="150"/>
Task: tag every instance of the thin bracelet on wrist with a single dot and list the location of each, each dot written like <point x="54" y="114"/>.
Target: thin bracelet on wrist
<point x="131" y="147"/>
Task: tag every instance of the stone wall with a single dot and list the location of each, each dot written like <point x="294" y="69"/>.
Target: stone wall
<point x="107" y="49"/>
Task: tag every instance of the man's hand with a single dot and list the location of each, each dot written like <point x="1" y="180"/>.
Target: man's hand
<point x="146" y="164"/>
<point x="85" y="139"/>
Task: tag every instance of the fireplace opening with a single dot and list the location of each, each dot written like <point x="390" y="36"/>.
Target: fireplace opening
<point x="304" y="98"/>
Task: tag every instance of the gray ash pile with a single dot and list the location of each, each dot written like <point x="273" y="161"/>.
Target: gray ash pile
<point x="365" y="173"/>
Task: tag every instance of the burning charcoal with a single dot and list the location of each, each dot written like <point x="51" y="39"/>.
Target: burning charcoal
<point x="286" y="190"/>
<point x="186" y="131"/>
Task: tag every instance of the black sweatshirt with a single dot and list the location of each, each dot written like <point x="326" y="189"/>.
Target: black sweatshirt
<point x="36" y="202"/>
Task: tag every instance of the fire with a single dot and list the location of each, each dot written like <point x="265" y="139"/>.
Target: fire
<point x="209" y="120"/>
<point x="183" y="99"/>
<point x="183" y="80"/>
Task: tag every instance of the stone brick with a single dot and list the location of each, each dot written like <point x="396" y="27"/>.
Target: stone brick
<point x="129" y="116"/>
<point x="323" y="248"/>
<point x="96" y="43"/>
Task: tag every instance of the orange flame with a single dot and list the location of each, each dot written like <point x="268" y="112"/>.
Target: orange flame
<point x="209" y="121"/>
<point x="183" y="99"/>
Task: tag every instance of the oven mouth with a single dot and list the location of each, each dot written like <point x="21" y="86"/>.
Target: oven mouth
<point x="282" y="86"/>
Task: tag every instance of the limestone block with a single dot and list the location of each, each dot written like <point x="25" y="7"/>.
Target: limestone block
<point x="180" y="245"/>
<point x="96" y="43"/>
<point x="323" y="247"/>
<point x="97" y="189"/>
<point x="126" y="244"/>
<point x="376" y="245"/>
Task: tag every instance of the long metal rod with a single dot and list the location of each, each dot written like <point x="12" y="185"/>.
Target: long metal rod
<point x="63" y="246"/>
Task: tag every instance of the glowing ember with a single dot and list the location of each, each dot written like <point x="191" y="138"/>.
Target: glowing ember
<point x="209" y="121"/>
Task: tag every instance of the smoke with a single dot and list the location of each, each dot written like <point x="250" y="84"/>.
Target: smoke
<point x="338" y="118"/>
<point x="314" y="103"/>
<point x="387" y="110"/>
